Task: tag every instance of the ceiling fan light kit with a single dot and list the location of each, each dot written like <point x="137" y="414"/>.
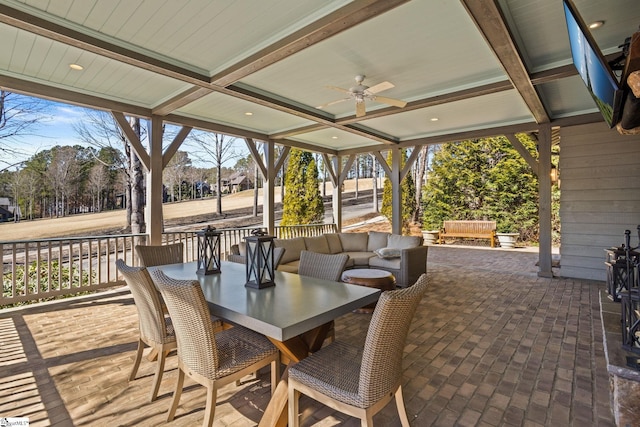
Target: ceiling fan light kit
<point x="361" y="93"/>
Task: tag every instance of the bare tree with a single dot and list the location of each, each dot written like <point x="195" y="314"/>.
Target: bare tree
<point x="98" y="181"/>
<point x="31" y="187"/>
<point x="100" y="129"/>
<point x="20" y="116"/>
<point x="219" y="149"/>
<point x="176" y="171"/>
<point x="16" y="184"/>
<point x="63" y="173"/>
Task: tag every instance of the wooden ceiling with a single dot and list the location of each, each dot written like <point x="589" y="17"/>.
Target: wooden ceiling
<point x="466" y="68"/>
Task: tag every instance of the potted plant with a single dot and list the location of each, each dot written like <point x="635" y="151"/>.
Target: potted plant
<point x="430" y="234"/>
<point x="507" y="235"/>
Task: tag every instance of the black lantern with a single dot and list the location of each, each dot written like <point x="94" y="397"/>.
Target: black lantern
<point x="208" y="251"/>
<point x="260" y="266"/>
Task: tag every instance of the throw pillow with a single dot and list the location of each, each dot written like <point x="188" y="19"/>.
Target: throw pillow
<point x="388" y="253"/>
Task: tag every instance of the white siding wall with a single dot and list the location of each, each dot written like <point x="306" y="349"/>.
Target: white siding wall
<point x="600" y="199"/>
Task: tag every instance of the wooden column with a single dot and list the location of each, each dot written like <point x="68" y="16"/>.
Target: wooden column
<point x="394" y="173"/>
<point x="336" y="197"/>
<point x="544" y="194"/>
<point x="268" y="167"/>
<point x="268" y="190"/>
<point x="153" y="210"/>
<point x="337" y="174"/>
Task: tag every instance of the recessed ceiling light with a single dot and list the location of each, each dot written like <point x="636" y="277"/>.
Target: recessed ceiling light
<point x="76" y="67"/>
<point x="434" y="119"/>
<point x="596" y="24"/>
<point x="334" y="137"/>
<point x="248" y="113"/>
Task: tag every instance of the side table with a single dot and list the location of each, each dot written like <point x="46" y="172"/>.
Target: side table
<point x="372" y="278"/>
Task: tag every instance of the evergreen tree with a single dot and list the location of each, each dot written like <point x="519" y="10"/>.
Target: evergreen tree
<point x="484" y="179"/>
<point x="302" y="202"/>
<point x="408" y="193"/>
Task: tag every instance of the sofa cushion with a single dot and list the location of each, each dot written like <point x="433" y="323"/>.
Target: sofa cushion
<point x="291" y="267"/>
<point x="317" y="244"/>
<point x="403" y="242"/>
<point x="377" y="240"/>
<point x="350" y="263"/>
<point x="354" y="242"/>
<point x="360" y="258"/>
<point x="388" y="253"/>
<point x="335" y="246"/>
<point x="292" y="248"/>
<point x="393" y="264"/>
<point x="242" y="248"/>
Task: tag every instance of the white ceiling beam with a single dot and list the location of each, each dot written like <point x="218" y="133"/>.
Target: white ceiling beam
<point x="39" y="90"/>
<point x="413" y="105"/>
<point x="328" y="26"/>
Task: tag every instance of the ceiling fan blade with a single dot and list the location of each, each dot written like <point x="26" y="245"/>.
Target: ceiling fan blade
<point x="339" y="89"/>
<point x="391" y="101"/>
<point x="360" y="109"/>
<point x="380" y="87"/>
<point x="337" y="101"/>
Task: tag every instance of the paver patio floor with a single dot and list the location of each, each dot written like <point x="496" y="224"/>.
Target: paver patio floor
<point x="492" y="344"/>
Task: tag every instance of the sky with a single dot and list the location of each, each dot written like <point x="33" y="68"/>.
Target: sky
<point x="58" y="129"/>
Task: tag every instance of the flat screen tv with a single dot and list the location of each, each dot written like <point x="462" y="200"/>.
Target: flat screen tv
<point x="593" y="67"/>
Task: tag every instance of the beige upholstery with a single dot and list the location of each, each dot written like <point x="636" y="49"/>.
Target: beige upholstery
<point x="361" y="382"/>
<point x="322" y="266"/>
<point x="211" y="359"/>
<point x="152" y="255"/>
<point x="238" y="256"/>
<point x="156" y="329"/>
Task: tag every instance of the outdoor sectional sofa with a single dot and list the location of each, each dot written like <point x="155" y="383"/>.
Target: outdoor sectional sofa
<point x="403" y="256"/>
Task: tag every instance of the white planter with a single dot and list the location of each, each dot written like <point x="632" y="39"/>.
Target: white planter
<point x="430" y="237"/>
<point x="507" y="240"/>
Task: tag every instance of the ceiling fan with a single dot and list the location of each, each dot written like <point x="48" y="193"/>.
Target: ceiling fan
<point x="360" y="93"/>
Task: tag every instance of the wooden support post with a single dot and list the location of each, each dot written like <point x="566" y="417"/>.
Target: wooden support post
<point x="396" y="190"/>
<point x="153" y="211"/>
<point x="544" y="194"/>
<point x="268" y="203"/>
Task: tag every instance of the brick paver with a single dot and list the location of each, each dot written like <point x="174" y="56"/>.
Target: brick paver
<point x="492" y="344"/>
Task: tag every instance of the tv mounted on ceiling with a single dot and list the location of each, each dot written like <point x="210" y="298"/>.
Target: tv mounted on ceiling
<point x="593" y="67"/>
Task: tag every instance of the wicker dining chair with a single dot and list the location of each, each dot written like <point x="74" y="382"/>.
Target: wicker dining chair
<point x="152" y="255"/>
<point x="361" y="381"/>
<point x="156" y="329"/>
<point x="211" y="359"/>
<point x="322" y="266"/>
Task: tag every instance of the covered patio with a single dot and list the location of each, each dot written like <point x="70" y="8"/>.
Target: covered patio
<point x="492" y="344"/>
<point x="274" y="74"/>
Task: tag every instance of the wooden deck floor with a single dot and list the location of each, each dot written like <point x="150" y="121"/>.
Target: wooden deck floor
<point x="492" y="344"/>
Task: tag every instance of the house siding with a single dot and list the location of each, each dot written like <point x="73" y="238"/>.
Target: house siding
<point x="600" y="196"/>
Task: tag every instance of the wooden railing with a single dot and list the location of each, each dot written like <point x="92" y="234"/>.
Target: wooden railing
<point x="42" y="269"/>
<point x="48" y="268"/>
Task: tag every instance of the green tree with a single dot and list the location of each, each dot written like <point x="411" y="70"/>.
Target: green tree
<point x="408" y="192"/>
<point x="302" y="202"/>
<point x="482" y="179"/>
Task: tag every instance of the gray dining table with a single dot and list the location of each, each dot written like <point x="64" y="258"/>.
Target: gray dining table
<point x="295" y="314"/>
